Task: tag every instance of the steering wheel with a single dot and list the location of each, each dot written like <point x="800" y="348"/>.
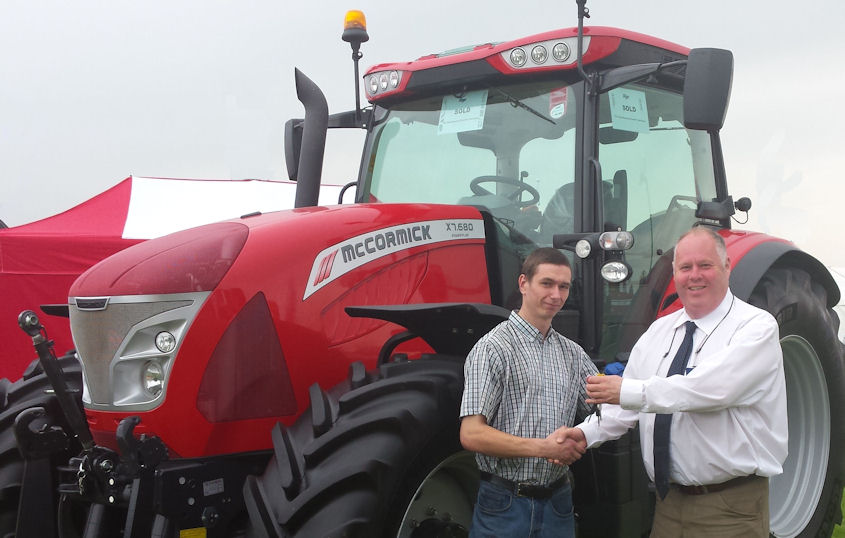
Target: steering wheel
<point x="477" y="189"/>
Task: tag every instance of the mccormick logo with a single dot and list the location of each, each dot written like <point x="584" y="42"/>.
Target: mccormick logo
<point x="361" y="249"/>
<point x="325" y="267"/>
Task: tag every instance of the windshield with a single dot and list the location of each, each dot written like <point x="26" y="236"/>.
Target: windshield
<point x="510" y="149"/>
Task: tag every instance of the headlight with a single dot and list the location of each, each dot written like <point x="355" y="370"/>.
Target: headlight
<point x="153" y="378"/>
<point x="165" y="342"/>
<point x="382" y="82"/>
<point x="583" y="248"/>
<point x="560" y="52"/>
<point x="518" y="57"/>
<point x="539" y="54"/>
<point x="615" y="272"/>
<point x="616" y="240"/>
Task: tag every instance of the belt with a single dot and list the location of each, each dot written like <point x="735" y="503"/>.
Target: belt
<point x="526" y="489"/>
<point x="714" y="488"/>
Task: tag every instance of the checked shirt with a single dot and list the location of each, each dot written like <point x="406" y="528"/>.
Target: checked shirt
<point x="527" y="386"/>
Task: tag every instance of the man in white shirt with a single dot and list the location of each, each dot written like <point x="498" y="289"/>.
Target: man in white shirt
<point x="721" y="420"/>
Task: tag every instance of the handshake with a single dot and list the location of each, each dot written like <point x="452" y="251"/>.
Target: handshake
<point x="565" y="446"/>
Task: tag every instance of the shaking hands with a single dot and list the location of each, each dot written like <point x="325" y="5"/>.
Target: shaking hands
<point x="566" y="445"/>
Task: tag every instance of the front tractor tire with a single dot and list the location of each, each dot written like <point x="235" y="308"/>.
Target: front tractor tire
<point x="32" y="390"/>
<point x="378" y="455"/>
<point x="805" y="499"/>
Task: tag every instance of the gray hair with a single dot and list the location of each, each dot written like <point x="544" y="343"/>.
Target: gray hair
<point x="718" y="241"/>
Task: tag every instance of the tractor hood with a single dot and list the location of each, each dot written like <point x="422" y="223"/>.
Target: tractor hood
<point x="226" y="326"/>
<point x="197" y="259"/>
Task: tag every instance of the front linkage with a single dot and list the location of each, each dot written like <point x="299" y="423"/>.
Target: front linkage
<point x="137" y="491"/>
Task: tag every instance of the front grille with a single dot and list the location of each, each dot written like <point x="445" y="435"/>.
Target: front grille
<point x="101" y="335"/>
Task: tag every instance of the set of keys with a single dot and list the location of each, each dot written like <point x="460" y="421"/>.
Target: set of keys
<point x="598" y="408"/>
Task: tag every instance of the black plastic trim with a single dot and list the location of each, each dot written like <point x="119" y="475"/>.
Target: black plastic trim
<point x="449" y="328"/>
<point x="750" y="269"/>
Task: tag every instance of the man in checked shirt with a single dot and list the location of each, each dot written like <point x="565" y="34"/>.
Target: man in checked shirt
<point x="525" y="385"/>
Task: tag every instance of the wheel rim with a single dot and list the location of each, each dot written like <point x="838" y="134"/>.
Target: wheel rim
<point x="445" y="497"/>
<point x="794" y="495"/>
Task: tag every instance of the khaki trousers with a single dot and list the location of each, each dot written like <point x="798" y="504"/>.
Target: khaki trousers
<point x="740" y="511"/>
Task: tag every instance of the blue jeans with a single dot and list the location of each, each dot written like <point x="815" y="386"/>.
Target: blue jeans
<point x="501" y="514"/>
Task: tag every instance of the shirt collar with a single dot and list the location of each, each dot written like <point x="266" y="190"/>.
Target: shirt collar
<point x="708" y="322"/>
<point x="526" y="329"/>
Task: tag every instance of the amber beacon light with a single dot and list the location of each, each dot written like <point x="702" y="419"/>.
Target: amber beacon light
<point x="355" y="27"/>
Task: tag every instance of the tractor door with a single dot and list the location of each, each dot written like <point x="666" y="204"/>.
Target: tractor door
<point x="655" y="173"/>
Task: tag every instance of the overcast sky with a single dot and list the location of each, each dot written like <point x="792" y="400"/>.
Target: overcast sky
<point x="93" y="91"/>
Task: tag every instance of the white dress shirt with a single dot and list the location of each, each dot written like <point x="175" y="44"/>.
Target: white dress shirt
<point x="729" y="409"/>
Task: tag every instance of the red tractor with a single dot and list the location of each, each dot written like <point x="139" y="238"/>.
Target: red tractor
<point x="298" y="373"/>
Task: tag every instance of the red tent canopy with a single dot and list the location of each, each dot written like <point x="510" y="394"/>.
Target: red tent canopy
<point x="39" y="261"/>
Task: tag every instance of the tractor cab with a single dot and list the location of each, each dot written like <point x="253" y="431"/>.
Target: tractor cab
<point x="551" y="160"/>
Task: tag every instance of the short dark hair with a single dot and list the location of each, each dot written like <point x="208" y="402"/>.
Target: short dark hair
<point x="543" y="255"/>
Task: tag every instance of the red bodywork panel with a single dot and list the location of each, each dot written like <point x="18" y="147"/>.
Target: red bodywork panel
<point x="738" y="244"/>
<point x="295" y="266"/>
<point x="604" y="41"/>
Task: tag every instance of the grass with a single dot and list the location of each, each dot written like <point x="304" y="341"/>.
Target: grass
<point x="839" y="530"/>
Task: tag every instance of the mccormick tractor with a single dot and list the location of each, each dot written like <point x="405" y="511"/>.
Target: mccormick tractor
<point x="298" y="373"/>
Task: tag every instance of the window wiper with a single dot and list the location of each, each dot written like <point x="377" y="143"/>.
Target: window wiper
<point x="517" y="103"/>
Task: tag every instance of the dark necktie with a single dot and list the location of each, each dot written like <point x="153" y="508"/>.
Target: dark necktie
<point x="663" y="422"/>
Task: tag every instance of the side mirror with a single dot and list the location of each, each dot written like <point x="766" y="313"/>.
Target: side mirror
<point x="707" y="88"/>
<point x="293" y="143"/>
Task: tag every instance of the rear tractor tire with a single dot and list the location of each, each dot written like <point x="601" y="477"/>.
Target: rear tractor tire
<point x="378" y="456"/>
<point x="806" y="499"/>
